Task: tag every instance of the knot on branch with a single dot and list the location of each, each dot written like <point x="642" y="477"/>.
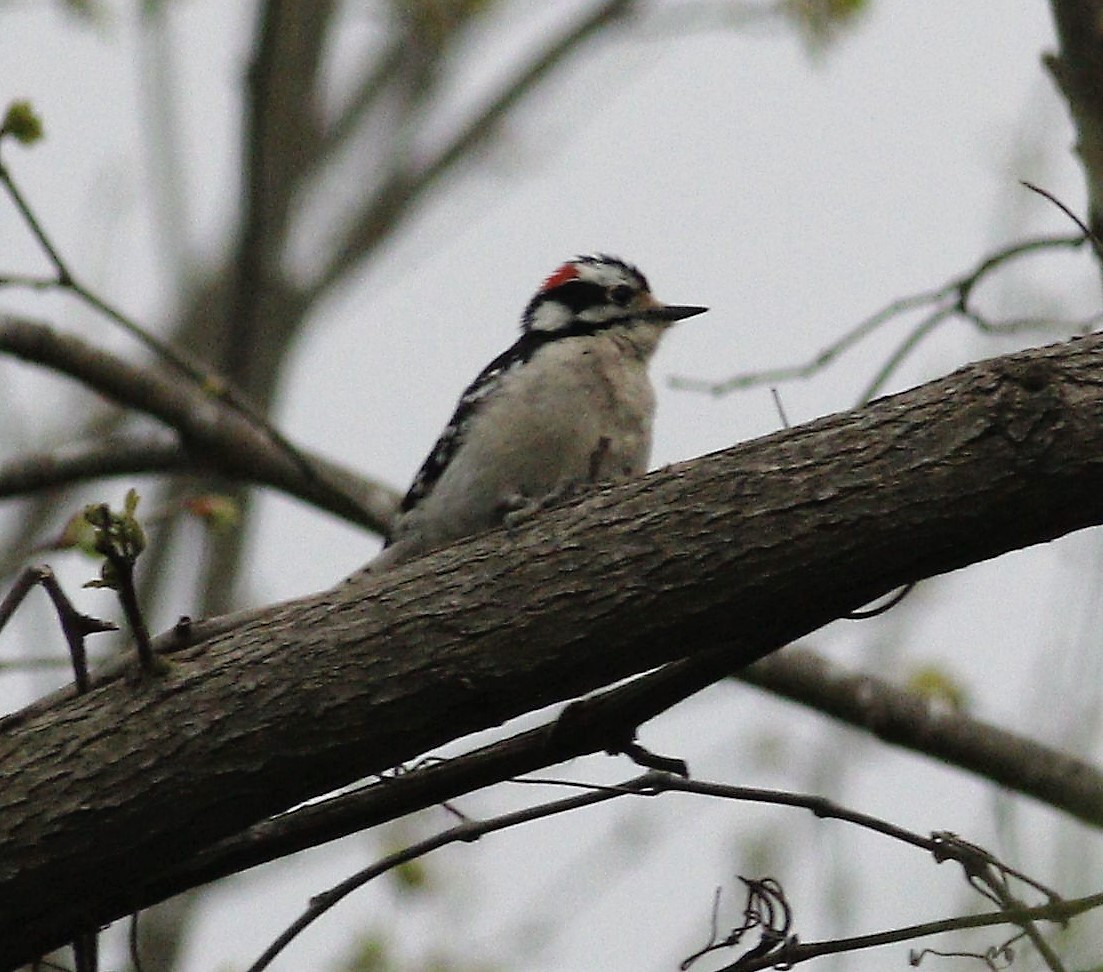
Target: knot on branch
<point x="1028" y="406"/>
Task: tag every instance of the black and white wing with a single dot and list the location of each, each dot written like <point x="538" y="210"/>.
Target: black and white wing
<point x="451" y="439"/>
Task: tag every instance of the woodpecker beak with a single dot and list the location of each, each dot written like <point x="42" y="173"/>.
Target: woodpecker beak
<point x="674" y="312"/>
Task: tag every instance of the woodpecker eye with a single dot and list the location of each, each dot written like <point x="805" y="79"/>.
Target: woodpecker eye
<point x="621" y="294"/>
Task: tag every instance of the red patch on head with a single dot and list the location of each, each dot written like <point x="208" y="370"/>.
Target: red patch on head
<point x="565" y="273"/>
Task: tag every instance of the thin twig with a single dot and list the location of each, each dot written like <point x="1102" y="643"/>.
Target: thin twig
<point x="950" y="299"/>
<point x="780" y="407"/>
<point x="864" y="614"/>
<point x="74" y="625"/>
<point x="99" y="459"/>
<point x="465" y="832"/>
<point x="64" y="279"/>
<point x="29" y="281"/>
<point x="1084" y="228"/>
<point x="19" y="590"/>
<point x="796" y="952"/>
<point x="655" y="783"/>
<point x="767" y="912"/>
<point x="922" y="330"/>
<point x="818" y="362"/>
<point x="649" y="760"/>
<point x="367" y="94"/>
<point x="989" y="876"/>
<point x="982" y="869"/>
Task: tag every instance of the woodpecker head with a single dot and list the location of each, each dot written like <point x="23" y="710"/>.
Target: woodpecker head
<point x="591" y="294"/>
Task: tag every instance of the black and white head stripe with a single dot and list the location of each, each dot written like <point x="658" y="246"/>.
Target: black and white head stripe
<point x="589" y="290"/>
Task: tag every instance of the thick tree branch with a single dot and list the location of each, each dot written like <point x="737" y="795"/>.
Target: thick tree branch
<point x="893" y="714"/>
<point x="216" y="435"/>
<point x="739" y="551"/>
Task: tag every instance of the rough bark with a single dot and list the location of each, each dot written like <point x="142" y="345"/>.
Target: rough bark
<point x="762" y="542"/>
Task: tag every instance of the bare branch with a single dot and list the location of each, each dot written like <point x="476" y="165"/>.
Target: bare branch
<point x="183" y="364"/>
<point x="656" y="783"/>
<point x="212" y="430"/>
<point x="466" y="832"/>
<point x="82" y="462"/>
<point x="909" y="719"/>
<point x="949" y="300"/>
<point x="797" y="952"/>
<point x="367" y="94"/>
<point x="280" y="144"/>
<point x="1097" y="244"/>
<point x="395" y="199"/>
<point x="75" y="625"/>
<point x="65" y="280"/>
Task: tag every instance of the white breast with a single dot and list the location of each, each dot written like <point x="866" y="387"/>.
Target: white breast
<point x="579" y="411"/>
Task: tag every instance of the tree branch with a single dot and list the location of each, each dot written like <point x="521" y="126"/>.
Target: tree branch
<point x="280" y="145"/>
<point x="395" y="199"/>
<point x="951" y="299"/>
<point x="907" y="719"/>
<point x="941" y="847"/>
<point x="213" y="433"/>
<point x="735" y="553"/>
<point x="1078" y="70"/>
<point x="892" y="714"/>
<point x="82" y="462"/>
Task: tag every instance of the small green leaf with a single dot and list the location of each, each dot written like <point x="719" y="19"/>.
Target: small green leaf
<point x="134" y="537"/>
<point x="22" y="123"/>
<point x="117" y="537"/>
<point x="78" y="534"/>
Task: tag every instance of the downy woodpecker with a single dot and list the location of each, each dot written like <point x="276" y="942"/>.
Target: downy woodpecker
<point x="569" y="403"/>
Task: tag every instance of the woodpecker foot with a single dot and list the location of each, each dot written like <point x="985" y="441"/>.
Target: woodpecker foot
<point x="517" y="509"/>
